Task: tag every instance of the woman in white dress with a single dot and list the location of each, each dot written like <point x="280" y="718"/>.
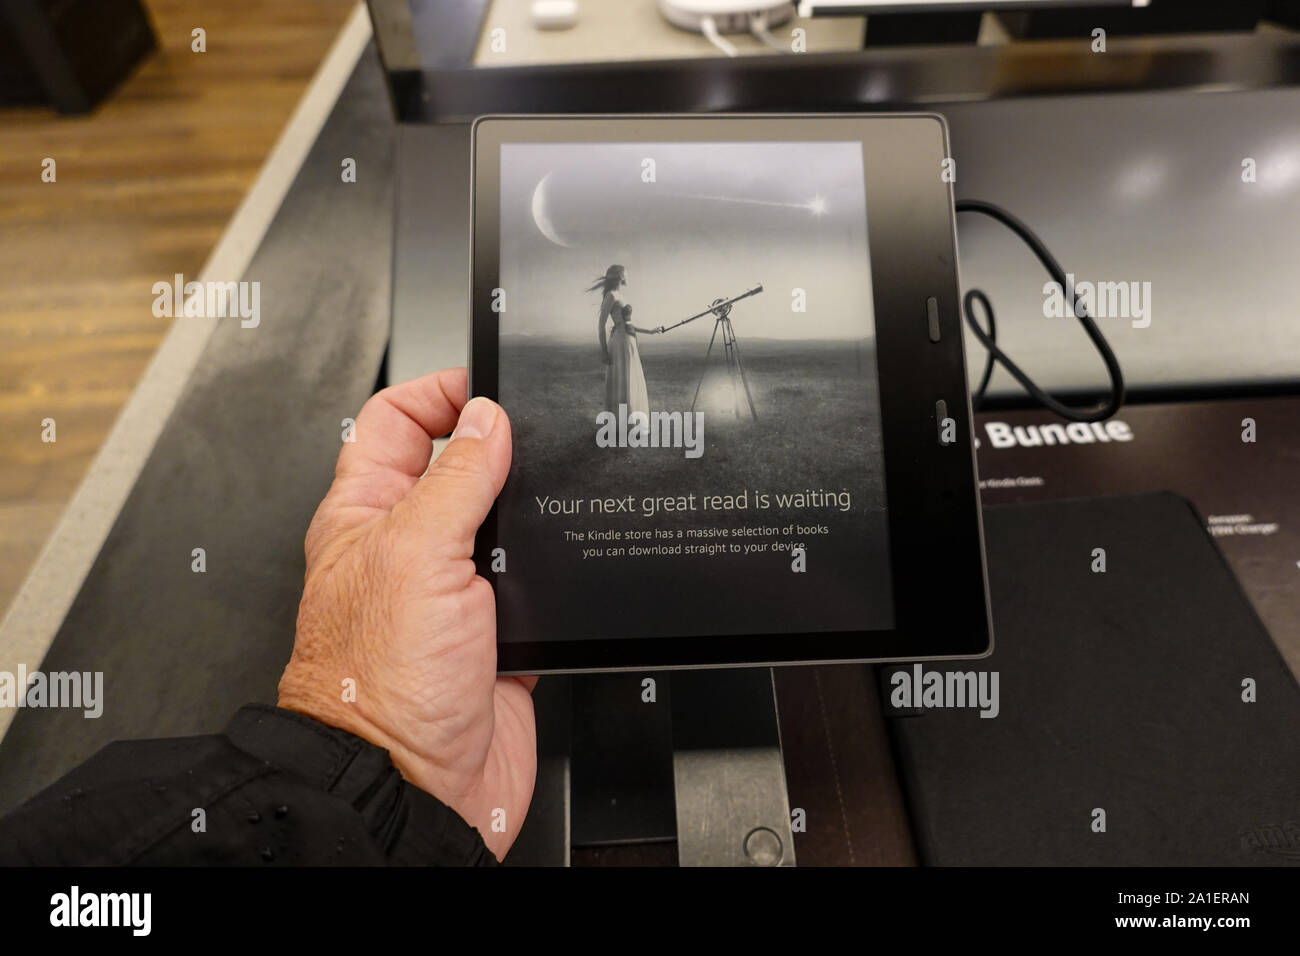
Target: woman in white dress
<point x="624" y="377"/>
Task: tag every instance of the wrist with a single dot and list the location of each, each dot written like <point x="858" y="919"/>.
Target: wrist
<point x="300" y="694"/>
<point x="408" y="822"/>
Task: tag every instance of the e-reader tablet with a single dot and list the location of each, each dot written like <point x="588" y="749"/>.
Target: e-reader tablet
<point x="730" y="351"/>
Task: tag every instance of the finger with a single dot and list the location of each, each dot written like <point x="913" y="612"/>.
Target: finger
<point x="529" y="682"/>
<point x="393" y="443"/>
<point x="397" y="426"/>
<point x="449" y="503"/>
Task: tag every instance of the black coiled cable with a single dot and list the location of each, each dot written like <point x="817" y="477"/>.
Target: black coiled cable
<point x="1092" y="413"/>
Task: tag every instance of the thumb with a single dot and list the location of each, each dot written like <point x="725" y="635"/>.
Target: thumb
<point x="450" y="502"/>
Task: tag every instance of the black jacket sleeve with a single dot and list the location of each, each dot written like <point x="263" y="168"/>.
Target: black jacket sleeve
<point x="275" y="788"/>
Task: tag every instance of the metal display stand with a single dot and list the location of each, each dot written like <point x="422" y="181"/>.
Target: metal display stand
<point x="699" y="765"/>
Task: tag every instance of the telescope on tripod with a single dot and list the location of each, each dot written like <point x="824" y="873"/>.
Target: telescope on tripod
<point x="720" y="309"/>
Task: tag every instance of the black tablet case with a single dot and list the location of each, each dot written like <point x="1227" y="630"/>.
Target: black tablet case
<point x="1119" y="690"/>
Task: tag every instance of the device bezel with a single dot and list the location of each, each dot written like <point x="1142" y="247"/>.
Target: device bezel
<point x="941" y="604"/>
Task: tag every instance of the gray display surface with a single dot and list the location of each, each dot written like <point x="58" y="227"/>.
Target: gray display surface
<point x="247" y="454"/>
<point x="1146" y="188"/>
<point x="1122" y="187"/>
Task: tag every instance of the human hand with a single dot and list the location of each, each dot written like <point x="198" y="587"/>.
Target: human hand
<point x="605" y="356"/>
<point x="392" y="601"/>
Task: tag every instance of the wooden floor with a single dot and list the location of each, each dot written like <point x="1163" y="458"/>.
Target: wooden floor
<point x="145" y="187"/>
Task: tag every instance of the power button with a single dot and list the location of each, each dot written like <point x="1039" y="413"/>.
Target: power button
<point x="932" y="317"/>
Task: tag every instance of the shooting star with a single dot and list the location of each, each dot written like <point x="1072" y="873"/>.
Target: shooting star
<point x="816" y="205"/>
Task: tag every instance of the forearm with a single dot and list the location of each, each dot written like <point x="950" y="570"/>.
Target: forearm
<point x="275" y="787"/>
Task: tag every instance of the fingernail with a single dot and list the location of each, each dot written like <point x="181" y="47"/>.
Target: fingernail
<point x="477" y="419"/>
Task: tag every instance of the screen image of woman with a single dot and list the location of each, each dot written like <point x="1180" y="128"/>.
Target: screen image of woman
<point x="624" y="377"/>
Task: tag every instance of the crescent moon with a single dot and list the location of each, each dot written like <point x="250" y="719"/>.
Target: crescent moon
<point x="542" y="216"/>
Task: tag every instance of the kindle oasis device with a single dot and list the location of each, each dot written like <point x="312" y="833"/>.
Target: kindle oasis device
<point x="730" y="351"/>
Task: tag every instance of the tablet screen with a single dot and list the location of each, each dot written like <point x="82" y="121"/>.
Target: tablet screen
<point x="686" y="350"/>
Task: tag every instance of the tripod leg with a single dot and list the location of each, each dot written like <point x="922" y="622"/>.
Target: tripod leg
<point x="744" y="379"/>
<point x="705" y="371"/>
<point x="729" y="341"/>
